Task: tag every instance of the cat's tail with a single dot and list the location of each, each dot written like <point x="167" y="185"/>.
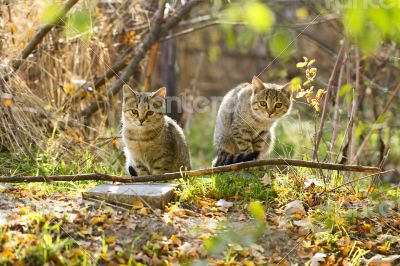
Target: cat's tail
<point x="225" y="158"/>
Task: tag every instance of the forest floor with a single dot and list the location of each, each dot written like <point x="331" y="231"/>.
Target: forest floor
<point x="232" y="219"/>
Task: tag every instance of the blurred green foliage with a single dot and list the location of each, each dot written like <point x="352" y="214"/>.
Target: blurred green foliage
<point x="368" y="23"/>
<point x="280" y="43"/>
<point x="51" y="12"/>
<point x="255" y="15"/>
<point x="77" y="23"/>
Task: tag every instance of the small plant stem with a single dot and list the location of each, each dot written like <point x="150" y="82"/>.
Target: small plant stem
<point x="335" y="71"/>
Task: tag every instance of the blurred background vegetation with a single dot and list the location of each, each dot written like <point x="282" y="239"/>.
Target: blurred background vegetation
<point x="48" y="127"/>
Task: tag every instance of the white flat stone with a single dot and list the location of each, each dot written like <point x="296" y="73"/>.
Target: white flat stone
<point x="155" y="195"/>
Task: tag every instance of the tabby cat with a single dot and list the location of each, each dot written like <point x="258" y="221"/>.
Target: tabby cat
<point x="246" y="120"/>
<point x="154" y="143"/>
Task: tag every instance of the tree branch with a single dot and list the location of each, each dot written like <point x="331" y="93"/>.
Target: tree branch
<point x="31" y="46"/>
<point x="200" y="172"/>
<point x="157" y="31"/>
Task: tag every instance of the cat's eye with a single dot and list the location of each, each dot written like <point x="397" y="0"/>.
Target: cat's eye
<point x="150" y="113"/>
<point x="263" y="103"/>
<point x="134" y="112"/>
<point x="278" y="105"/>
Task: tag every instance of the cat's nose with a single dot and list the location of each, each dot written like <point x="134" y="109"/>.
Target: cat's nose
<point x="270" y="113"/>
<point x="141" y="120"/>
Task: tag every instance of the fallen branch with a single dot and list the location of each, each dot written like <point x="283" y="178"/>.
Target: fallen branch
<point x="31" y="46"/>
<point x="192" y="173"/>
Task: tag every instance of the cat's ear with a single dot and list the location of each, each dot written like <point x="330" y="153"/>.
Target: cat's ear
<point x="128" y="92"/>
<point x="257" y="84"/>
<point x="287" y="89"/>
<point x="160" y="92"/>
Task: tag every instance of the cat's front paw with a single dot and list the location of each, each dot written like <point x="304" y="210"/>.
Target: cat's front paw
<point x="132" y="171"/>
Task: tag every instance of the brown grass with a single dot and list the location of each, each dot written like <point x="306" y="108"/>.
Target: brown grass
<point x="47" y="92"/>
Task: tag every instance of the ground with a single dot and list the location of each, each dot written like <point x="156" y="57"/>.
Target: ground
<point x="233" y="219"/>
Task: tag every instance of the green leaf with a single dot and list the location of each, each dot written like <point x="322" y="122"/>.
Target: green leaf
<point x="381" y="19"/>
<point x="246" y="38"/>
<point x="258" y="16"/>
<point x="80" y="22"/>
<point x="214" y="245"/>
<point x="281" y="43"/>
<point x="47" y="239"/>
<point x="233" y="14"/>
<point x="296" y="83"/>
<point x="345" y="89"/>
<point x="257" y="211"/>
<point x="51" y="13"/>
<point x="354" y="20"/>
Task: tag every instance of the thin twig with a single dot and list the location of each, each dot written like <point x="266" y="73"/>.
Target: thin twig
<point x="192" y="173"/>
<point x="355" y="180"/>
<point x="377" y="120"/>
<point x="335" y="71"/>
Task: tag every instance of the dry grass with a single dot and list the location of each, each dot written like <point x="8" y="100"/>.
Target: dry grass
<point x="40" y="102"/>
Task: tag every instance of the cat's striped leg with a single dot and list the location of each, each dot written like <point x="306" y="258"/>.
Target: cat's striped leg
<point x="141" y="169"/>
<point x="243" y="141"/>
<point x="162" y="164"/>
<point x="263" y="142"/>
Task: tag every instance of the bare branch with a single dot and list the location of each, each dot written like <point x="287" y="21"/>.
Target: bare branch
<point x="335" y="72"/>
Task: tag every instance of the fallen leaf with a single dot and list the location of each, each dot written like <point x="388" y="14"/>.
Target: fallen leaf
<point x="266" y="180"/>
<point x="225" y="204"/>
<point x="137" y="204"/>
<point x="317" y="259"/>
<point x="295" y="207"/>
<point x="98" y="219"/>
<point x="111" y="239"/>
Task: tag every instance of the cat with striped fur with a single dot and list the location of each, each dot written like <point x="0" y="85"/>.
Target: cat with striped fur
<point x="246" y="119"/>
<point x="154" y="143"/>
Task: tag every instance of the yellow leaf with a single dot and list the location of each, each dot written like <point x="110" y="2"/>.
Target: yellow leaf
<point x="7" y="254"/>
<point x="69" y="88"/>
<point x="383" y="249"/>
<point x="137" y="204"/>
<point x="246" y="262"/>
<point x="98" y="219"/>
<point x="167" y="263"/>
<point x="203" y="237"/>
<point x="345" y="250"/>
<point x="366" y="228"/>
<point x="301" y="64"/>
<point x="76" y="252"/>
<point x="111" y="239"/>
<point x="312" y="61"/>
<point x="104" y="256"/>
<point x="143" y="212"/>
<point x="302" y="13"/>
<point x="7" y="102"/>
<point x="175" y="240"/>
<point x="320" y="92"/>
